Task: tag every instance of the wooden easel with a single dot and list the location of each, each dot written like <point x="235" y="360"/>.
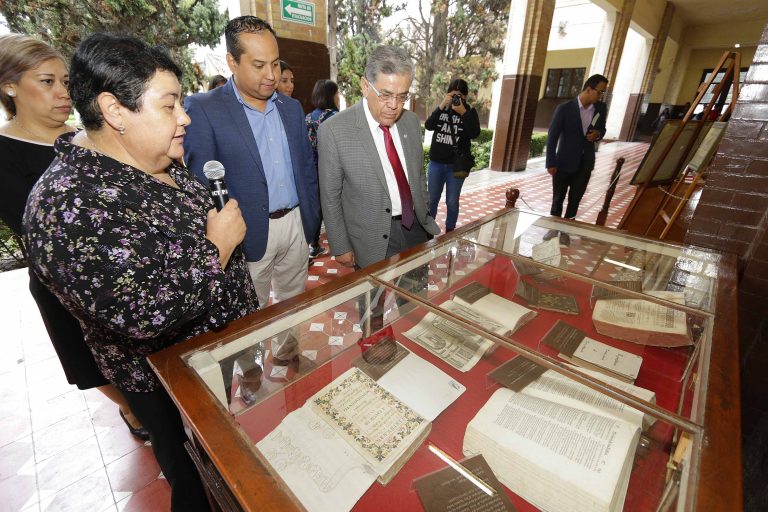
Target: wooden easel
<point x="662" y="216"/>
<point x="731" y="63"/>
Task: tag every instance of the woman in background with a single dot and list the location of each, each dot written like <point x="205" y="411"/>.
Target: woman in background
<point x="325" y="99"/>
<point x="33" y="92"/>
<point x="454" y="123"/>
<point x="216" y="81"/>
<point x="128" y="239"/>
<point x="286" y="83"/>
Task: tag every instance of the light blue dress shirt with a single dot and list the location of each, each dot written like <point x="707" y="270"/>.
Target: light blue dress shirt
<point x="269" y="133"/>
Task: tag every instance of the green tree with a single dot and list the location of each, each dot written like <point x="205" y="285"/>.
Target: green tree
<point x="455" y="38"/>
<point x="174" y="24"/>
<point x="354" y="31"/>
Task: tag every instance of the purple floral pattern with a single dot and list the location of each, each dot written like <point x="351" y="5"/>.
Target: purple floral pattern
<point x="127" y="255"/>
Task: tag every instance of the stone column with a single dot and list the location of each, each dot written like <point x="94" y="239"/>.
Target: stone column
<point x="527" y="38"/>
<point x="620" y="29"/>
<point x="654" y="58"/>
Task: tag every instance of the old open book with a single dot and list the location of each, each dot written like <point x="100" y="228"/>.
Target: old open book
<point x="642" y="321"/>
<point x="354" y="432"/>
<point x="460" y="347"/>
<point x="558" y="444"/>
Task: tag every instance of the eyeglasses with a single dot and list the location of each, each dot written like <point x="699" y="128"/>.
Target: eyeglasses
<point x="599" y="92"/>
<point x="386" y="97"/>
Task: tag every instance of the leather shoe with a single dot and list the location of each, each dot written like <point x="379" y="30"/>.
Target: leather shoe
<point x="139" y="433"/>
<point x="316" y="251"/>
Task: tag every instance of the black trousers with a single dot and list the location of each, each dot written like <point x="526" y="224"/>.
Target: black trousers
<point x="571" y="184"/>
<point x="158" y="414"/>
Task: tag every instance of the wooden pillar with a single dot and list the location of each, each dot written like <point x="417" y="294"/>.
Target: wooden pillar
<point x="520" y="87"/>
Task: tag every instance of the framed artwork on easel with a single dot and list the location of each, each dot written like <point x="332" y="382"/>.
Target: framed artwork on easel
<point x="670" y="168"/>
<point x="706" y="149"/>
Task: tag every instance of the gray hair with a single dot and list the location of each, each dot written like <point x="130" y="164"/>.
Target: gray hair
<point x="388" y="60"/>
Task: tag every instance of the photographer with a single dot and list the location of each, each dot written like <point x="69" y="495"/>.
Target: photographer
<point x="454" y="123"/>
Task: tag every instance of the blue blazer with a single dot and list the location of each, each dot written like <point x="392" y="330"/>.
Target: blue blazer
<point x="566" y="142"/>
<point x="220" y="131"/>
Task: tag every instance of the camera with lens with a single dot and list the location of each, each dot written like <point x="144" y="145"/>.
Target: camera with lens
<point x="456" y="100"/>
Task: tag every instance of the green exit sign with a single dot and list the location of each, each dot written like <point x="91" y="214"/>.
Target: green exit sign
<point x="298" y="11"/>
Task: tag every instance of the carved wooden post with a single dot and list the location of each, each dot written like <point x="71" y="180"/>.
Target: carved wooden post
<point x="512" y="195"/>
<point x="609" y="193"/>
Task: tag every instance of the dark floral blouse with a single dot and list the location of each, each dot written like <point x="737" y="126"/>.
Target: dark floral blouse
<point x="127" y="255"/>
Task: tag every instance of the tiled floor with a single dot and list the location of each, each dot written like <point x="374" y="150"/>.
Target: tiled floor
<point x="65" y="449"/>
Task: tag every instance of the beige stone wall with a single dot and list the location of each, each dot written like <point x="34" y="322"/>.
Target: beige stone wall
<point x="578" y="58"/>
<point x="666" y="69"/>
<point x="700" y="60"/>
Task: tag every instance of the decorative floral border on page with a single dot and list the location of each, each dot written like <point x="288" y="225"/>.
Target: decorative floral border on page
<point x="378" y="451"/>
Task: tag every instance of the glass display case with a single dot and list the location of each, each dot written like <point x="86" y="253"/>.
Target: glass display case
<point x="520" y="363"/>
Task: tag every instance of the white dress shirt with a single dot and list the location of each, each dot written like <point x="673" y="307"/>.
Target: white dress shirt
<point x="389" y="173"/>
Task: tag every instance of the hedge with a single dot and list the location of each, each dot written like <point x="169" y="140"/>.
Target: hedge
<point x="481" y="147"/>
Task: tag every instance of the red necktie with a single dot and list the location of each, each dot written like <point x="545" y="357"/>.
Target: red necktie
<point x="406" y="200"/>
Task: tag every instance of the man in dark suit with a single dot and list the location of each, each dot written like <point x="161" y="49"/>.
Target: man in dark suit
<point x="576" y="126"/>
<point x="260" y="137"/>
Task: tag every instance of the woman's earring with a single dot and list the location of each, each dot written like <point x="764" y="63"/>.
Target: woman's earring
<point x="121" y="130"/>
<point x="11" y="93"/>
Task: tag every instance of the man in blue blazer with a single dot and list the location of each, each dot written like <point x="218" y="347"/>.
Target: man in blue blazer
<point x="576" y="126"/>
<point x="260" y="137"/>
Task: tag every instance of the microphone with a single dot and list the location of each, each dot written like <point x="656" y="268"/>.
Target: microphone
<point x="214" y="171"/>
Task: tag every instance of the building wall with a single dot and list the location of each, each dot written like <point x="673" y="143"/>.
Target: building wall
<point x="718" y="36"/>
<point x="732" y="215"/>
<point x="271" y="12"/>
<point x="578" y="58"/>
<point x="666" y="70"/>
<point x="575" y="24"/>
<point x="698" y="61"/>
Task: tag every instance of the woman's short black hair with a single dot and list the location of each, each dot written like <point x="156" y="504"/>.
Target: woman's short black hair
<point x="216" y="81"/>
<point x="457" y="84"/>
<point x="284" y="65"/>
<point x="324" y="94"/>
<point x="118" y="64"/>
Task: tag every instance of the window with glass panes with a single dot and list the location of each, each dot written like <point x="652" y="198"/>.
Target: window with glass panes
<point x="564" y="82"/>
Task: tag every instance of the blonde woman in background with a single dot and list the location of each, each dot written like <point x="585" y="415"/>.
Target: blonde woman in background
<point x="33" y="92"/>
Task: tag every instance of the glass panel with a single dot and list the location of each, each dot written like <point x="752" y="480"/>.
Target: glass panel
<point x="474" y="355"/>
<point x="565" y="83"/>
<point x="379" y="417"/>
<point x="628" y="320"/>
<point x="603" y="255"/>
<point x="552" y="80"/>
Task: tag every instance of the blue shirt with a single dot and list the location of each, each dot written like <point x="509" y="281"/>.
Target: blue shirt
<point x="269" y="133"/>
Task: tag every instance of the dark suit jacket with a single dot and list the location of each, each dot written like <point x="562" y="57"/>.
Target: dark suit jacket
<point x="566" y="141"/>
<point x="220" y="131"/>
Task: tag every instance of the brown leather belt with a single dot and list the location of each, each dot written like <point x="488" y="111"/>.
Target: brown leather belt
<point x="278" y="214"/>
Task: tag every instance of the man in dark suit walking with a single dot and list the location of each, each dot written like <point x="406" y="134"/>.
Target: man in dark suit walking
<point x="576" y="126"/>
<point x="260" y="137"/>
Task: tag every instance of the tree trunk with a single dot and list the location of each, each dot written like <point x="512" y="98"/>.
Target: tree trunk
<point x="436" y="47"/>
<point x="333" y="40"/>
